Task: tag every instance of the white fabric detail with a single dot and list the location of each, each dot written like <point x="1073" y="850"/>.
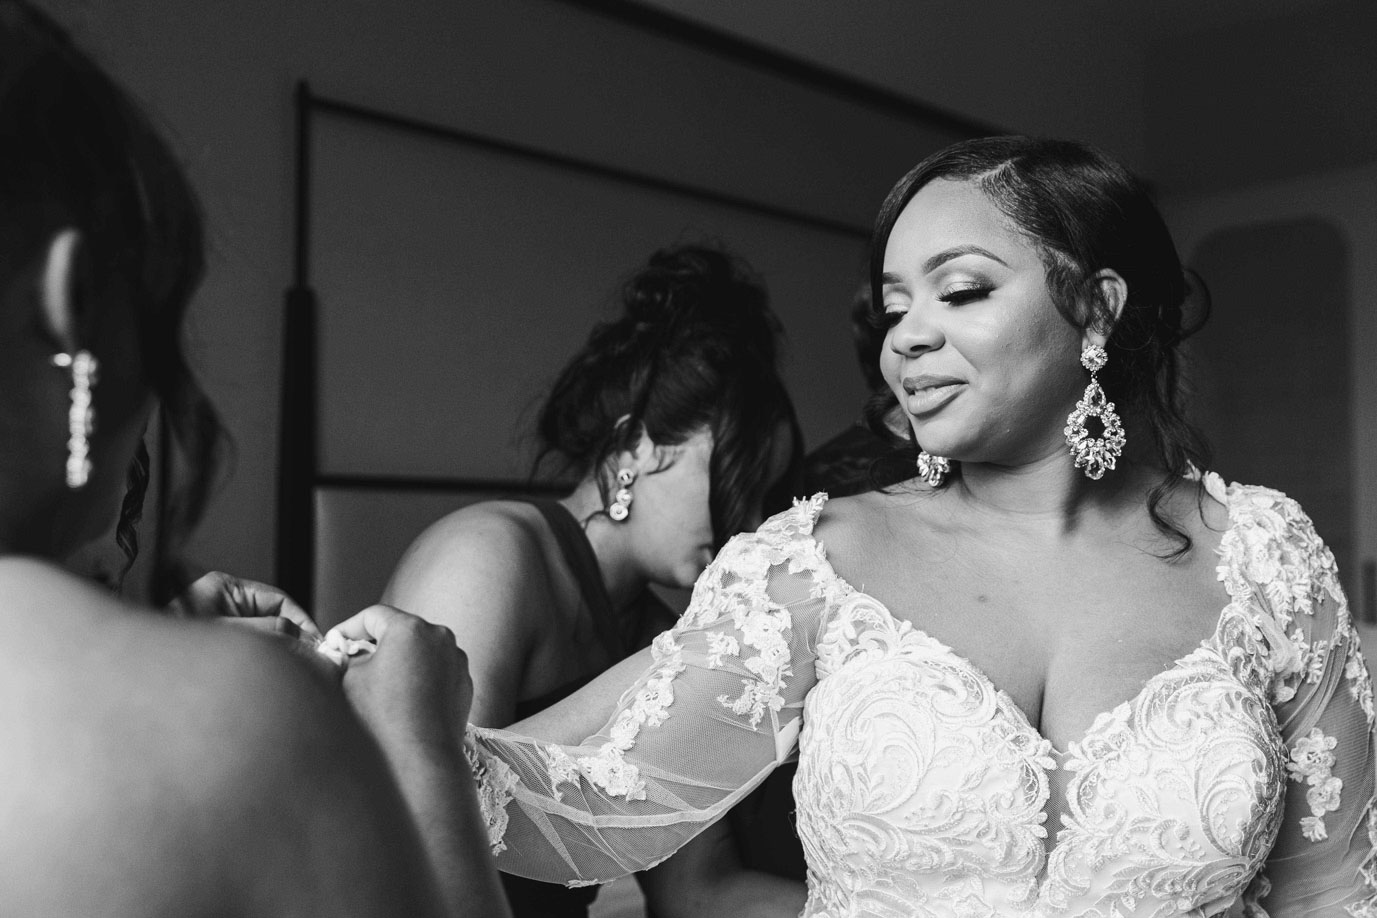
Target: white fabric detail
<point x="923" y="789"/>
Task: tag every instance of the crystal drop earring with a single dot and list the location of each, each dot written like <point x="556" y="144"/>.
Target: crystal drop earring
<point x="1095" y="455"/>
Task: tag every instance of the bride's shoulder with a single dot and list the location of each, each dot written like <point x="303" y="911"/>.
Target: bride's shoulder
<point x="857" y="522"/>
<point x="1244" y="507"/>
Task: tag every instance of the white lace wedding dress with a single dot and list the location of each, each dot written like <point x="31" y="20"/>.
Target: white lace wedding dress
<point x="1239" y="781"/>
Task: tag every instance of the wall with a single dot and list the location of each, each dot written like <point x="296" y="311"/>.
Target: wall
<point x="220" y="77"/>
<point x="1064" y="69"/>
<point x="1262" y="101"/>
<point x="1347" y="199"/>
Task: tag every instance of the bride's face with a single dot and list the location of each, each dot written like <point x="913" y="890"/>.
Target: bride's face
<point x="984" y="366"/>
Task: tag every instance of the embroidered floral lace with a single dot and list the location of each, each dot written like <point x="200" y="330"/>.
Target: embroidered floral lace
<point x="1240" y="781"/>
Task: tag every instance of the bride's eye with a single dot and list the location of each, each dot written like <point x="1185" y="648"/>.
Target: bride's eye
<point x="964" y="293"/>
<point x="888" y="318"/>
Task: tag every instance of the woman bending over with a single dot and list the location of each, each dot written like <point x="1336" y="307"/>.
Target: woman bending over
<point x="674" y="423"/>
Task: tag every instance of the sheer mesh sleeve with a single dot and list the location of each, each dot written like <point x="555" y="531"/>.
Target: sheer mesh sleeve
<point x="715" y="710"/>
<point x="1322" y="862"/>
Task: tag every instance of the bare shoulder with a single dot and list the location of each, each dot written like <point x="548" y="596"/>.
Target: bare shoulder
<point x="870" y="524"/>
<point x="158" y="766"/>
<point x="492" y="540"/>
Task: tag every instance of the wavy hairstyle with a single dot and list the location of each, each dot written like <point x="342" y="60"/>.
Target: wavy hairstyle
<point x="696" y="346"/>
<point x="80" y="153"/>
<point x="1083" y="213"/>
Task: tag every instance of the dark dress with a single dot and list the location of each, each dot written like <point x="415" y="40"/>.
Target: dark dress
<point x="532" y="898"/>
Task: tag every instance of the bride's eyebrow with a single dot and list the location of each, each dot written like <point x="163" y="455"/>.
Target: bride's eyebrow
<point x="941" y="258"/>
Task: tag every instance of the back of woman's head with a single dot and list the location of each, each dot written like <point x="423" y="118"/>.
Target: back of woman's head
<point x="80" y="154"/>
<point x="1084" y="213"/>
<point x="695" y="348"/>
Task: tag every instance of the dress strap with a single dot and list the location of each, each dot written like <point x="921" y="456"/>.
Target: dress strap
<point x="578" y="554"/>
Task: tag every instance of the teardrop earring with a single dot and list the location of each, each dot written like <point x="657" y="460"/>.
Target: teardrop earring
<point x="1095" y="455"/>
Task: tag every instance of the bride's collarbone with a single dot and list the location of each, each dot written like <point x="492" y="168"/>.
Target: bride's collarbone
<point x="1065" y="636"/>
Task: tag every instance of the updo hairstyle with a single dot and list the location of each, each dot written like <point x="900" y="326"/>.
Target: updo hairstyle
<point x="696" y="346"/>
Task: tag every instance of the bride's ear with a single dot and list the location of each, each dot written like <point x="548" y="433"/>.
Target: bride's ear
<point x="57" y="291"/>
<point x="1111" y="292"/>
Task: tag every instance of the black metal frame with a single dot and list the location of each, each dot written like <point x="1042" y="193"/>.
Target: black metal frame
<point x="299" y="473"/>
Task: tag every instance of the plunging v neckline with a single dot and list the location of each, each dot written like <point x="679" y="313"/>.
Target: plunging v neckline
<point x="1205" y="643"/>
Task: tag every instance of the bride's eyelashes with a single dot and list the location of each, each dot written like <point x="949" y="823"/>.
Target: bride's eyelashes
<point x="957" y="294"/>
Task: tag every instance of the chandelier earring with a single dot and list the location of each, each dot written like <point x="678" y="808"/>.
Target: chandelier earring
<point x="933" y="469"/>
<point x="1095" y="455"/>
<point x="621" y="501"/>
<point x="81" y="416"/>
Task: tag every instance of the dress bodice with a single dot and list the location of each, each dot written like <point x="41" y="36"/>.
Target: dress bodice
<point x="1239" y="779"/>
<point x="923" y="789"/>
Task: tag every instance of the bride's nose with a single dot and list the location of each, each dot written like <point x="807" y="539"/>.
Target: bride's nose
<point x="915" y="332"/>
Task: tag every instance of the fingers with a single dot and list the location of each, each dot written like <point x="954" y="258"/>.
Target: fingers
<point x="259" y="599"/>
<point x="218" y="594"/>
<point x="372" y="623"/>
<point x="205" y="597"/>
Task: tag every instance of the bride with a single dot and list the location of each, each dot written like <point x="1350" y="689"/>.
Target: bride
<point x="1059" y="673"/>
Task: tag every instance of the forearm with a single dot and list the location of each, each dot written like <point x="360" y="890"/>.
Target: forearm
<point x="440" y="794"/>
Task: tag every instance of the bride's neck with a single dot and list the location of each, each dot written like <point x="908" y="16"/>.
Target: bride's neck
<point x="1048" y="492"/>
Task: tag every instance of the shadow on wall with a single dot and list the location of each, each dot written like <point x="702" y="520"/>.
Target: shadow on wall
<point x="1270" y="372"/>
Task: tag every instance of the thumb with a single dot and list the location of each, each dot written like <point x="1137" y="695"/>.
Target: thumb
<point x="370" y="624"/>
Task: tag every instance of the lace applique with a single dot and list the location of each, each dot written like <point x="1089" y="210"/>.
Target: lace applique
<point x="764" y="630"/>
<point x="924" y="785"/>
<point x="496" y="784"/>
<point x="609" y="769"/>
<point x="1312" y="760"/>
<point x="561" y="768"/>
<point x="1313" y="656"/>
<point x="721" y="644"/>
<point x="1184" y="777"/>
<point x="1368" y="869"/>
<point x="1357" y="675"/>
<point x="762" y="623"/>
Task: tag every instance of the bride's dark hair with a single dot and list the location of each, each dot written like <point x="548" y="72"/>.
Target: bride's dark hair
<point x="696" y="347"/>
<point x="79" y="153"/>
<point x="1084" y="213"/>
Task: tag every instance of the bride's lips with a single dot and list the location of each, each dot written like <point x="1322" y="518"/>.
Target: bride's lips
<point x="928" y="392"/>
